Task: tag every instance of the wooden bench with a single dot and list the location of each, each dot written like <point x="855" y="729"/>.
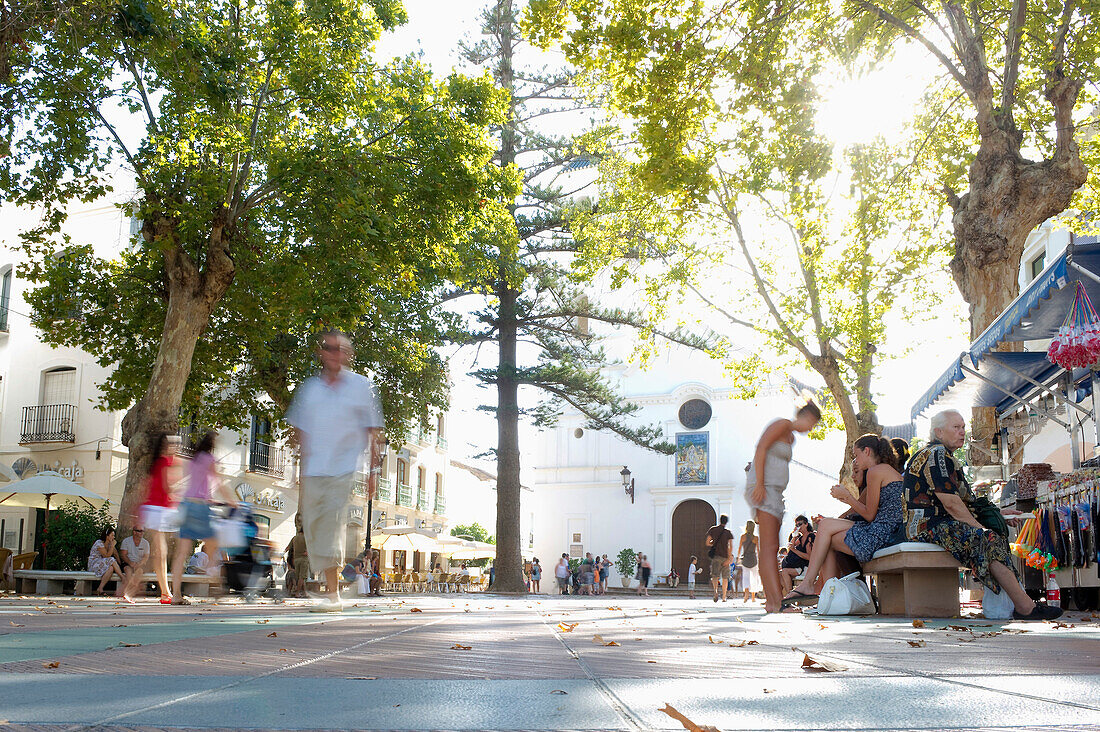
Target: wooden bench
<point x="52" y="582"/>
<point x="915" y="579"/>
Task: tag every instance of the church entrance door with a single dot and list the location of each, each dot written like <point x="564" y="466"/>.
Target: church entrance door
<point x="690" y="522"/>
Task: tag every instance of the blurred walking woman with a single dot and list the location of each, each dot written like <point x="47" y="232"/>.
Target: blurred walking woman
<point x="765" y="482"/>
<point x="158" y="514"/>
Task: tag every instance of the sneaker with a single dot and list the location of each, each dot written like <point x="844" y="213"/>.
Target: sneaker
<point x="1039" y="612"/>
<point x="327" y="606"/>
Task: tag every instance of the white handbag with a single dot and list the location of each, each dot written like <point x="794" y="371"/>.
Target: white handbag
<point x="845" y="596"/>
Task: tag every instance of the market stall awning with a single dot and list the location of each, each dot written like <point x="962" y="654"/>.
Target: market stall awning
<point x="1041" y="308"/>
<point x="989" y="383"/>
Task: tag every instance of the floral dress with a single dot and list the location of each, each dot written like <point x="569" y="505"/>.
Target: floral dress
<point x="934" y="470"/>
<point x="98" y="564"/>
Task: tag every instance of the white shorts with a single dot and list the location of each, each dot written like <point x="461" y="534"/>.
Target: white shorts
<point x="159" y="518"/>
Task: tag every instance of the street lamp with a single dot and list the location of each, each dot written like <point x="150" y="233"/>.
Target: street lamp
<point x="628" y="482"/>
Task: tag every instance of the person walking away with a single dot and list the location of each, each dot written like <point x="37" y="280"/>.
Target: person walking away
<point x="646" y="569"/>
<point x="336" y="415"/>
<point x="103" y="562"/>
<point x="719" y="543"/>
<point x="692" y="571"/>
<point x="536" y="575"/>
<point x="561" y="573"/>
<point x="135" y="552"/>
<point x="157" y="514"/>
<point x="766" y="479"/>
<point x="748" y="552"/>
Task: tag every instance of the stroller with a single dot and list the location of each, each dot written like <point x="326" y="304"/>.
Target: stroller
<point x="248" y="569"/>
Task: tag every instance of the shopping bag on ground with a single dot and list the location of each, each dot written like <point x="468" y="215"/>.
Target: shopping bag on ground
<point x="997" y="605"/>
<point x="845" y="596"/>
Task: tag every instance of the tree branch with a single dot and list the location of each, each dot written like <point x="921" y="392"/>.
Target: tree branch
<point x="916" y="35"/>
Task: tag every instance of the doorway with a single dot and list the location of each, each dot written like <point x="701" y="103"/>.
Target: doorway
<point x="690" y="522"/>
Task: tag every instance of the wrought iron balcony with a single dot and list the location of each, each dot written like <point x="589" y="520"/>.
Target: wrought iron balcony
<point x="385" y="490"/>
<point x="48" y="423"/>
<point x="186" y="446"/>
<point x="422" y="499"/>
<point x="266" y="459"/>
<point x="441" y="442"/>
<point x="404" y="495"/>
<point x="440" y="505"/>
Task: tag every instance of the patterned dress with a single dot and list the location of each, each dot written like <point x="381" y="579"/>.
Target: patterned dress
<point x="934" y="471"/>
<point x="97" y="563"/>
<point x="867" y="537"/>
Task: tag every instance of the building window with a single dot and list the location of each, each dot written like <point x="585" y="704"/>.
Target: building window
<point x="59" y="386"/>
<point x="439" y="426"/>
<point x="5" y="299"/>
<point x="402" y="472"/>
<point x="1037" y="265"/>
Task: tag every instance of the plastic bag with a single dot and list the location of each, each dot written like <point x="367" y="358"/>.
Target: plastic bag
<point x="997" y="605"/>
<point x="230" y="533"/>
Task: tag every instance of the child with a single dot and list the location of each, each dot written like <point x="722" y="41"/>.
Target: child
<point x="692" y="571"/>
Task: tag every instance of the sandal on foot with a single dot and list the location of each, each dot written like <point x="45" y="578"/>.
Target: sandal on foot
<point x="797" y="598"/>
<point x="165" y="599"/>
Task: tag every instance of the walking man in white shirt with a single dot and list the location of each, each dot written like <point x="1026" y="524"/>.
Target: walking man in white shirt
<point x="336" y="415"/>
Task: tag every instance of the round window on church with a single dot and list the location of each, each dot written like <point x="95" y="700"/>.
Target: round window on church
<point x="695" y="414"/>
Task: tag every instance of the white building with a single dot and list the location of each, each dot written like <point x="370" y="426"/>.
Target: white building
<point x="580" y="502"/>
<point x="49" y="420"/>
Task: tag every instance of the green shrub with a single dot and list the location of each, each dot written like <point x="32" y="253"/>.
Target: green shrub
<point x="71" y="532"/>
<point x="626" y="562"/>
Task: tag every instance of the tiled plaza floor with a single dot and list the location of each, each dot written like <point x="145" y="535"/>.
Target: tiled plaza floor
<point x="483" y="662"/>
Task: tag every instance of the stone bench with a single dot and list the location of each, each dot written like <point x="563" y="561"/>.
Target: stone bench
<point x="915" y="579"/>
<point x="52" y="582"/>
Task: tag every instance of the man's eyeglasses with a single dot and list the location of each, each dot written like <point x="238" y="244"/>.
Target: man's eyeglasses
<point x="330" y="347"/>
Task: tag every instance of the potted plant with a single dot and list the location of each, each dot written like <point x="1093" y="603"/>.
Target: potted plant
<point x="626" y="562"/>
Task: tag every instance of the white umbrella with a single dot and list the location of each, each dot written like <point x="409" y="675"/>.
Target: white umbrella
<point x="7" y="474"/>
<point x="404" y="538"/>
<point x="476" y="550"/>
<point x="36" y="492"/>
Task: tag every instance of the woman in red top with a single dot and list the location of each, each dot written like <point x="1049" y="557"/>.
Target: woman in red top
<point x="158" y="513"/>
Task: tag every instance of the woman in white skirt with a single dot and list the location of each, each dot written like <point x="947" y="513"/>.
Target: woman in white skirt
<point x="748" y="558"/>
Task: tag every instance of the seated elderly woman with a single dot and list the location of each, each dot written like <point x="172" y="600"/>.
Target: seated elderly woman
<point x="937" y="506"/>
<point x="873" y="520"/>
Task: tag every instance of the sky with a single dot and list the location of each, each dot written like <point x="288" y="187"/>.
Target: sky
<point x="855" y="111"/>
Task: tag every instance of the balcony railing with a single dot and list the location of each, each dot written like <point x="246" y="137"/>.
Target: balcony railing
<point x="266" y="459"/>
<point x="404" y="495"/>
<point x="422" y="499"/>
<point x="385" y="488"/>
<point x="440" y="505"/>
<point x="186" y="446"/>
<point x="441" y="442"/>
<point x="49" y="423"/>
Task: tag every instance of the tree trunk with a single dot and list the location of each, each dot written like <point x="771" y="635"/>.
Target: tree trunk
<point x="508" y="566"/>
<point x="192" y="296"/>
<point x="1009" y="196"/>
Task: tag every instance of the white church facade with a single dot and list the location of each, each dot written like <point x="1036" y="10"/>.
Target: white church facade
<point x="580" y="501"/>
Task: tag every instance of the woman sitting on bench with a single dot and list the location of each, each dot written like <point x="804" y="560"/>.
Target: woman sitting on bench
<point x="103" y="562"/>
<point x="874" y="518"/>
<point x="937" y="510"/>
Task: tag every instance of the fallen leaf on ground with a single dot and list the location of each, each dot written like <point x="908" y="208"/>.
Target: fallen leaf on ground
<point x="460" y="647"/>
<point x="822" y="626"/>
<point x="769" y="691"/>
<point x="963" y="628"/>
<point x="743" y="643"/>
<point x="918" y="623"/>
<point x="614" y="608"/>
<point x="599" y="639"/>
<point x="284" y="650"/>
<point x="17" y="625"/>
<point x="362" y="678"/>
<point x="129" y="645"/>
<point x="51" y="664"/>
<point x="651" y="662"/>
<point x="273" y="634"/>
<point x="207" y="660"/>
<point x="559" y="691"/>
<point x="711" y="639"/>
<point x="688" y="724"/>
<point x="813" y="663"/>
<point x="917" y="643"/>
<point x="261" y="622"/>
<point x="567" y="627"/>
<point x="415" y="610"/>
<point x="118" y="626"/>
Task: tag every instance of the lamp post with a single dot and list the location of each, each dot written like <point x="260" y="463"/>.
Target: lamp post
<point x="628" y="482"/>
